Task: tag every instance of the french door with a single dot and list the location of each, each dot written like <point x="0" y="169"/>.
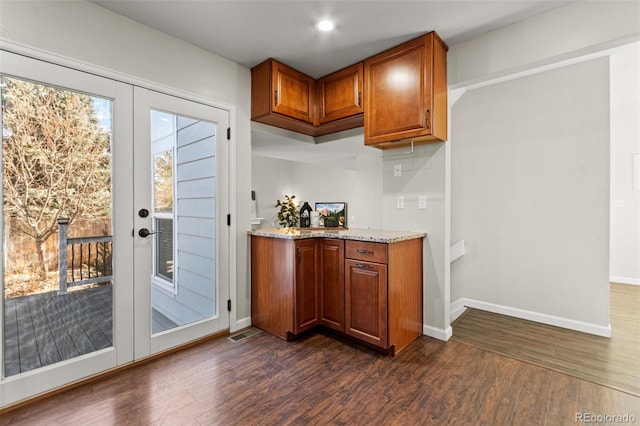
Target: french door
<point x="113" y="248"/>
<point x="181" y="245"/>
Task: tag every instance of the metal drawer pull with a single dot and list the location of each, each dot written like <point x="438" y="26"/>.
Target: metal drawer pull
<point x="361" y="265"/>
<point x="365" y="251"/>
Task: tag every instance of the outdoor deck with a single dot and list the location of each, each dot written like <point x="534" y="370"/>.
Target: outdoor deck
<point x="46" y="328"/>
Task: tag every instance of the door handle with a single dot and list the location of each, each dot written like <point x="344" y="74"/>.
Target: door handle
<point x="360" y="265"/>
<point x="144" y="232"/>
<point x="360" y="251"/>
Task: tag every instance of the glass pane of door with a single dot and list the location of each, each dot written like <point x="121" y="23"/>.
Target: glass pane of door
<point x="57" y="276"/>
<point x="184" y="194"/>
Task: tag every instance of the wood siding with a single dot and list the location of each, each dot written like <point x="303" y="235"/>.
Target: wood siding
<point x="195" y="203"/>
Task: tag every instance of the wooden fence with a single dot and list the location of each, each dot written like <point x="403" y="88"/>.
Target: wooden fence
<point x="20" y="251"/>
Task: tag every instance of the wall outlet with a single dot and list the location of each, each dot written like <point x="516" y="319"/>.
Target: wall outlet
<point x="397" y="170"/>
<point x="400" y="203"/>
<point x="422" y="202"/>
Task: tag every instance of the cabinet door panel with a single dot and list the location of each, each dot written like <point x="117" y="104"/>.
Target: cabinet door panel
<point x="306" y="286"/>
<point x="366" y="301"/>
<point x="332" y="284"/>
<point x="294" y="93"/>
<point x="340" y="94"/>
<point x="406" y="94"/>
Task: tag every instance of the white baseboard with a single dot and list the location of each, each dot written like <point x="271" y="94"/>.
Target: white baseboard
<point x="240" y="324"/>
<point x="457" y="309"/>
<point x="625" y="280"/>
<point x="437" y="333"/>
<point x="598" y="330"/>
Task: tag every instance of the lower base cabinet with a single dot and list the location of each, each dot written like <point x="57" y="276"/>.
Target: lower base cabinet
<point x="332" y="284"/>
<point x="368" y="291"/>
<point x="366" y="301"/>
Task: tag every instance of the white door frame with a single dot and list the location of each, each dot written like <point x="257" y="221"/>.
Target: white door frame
<point x="31" y="383"/>
<point x="17" y="388"/>
<point x="146" y="343"/>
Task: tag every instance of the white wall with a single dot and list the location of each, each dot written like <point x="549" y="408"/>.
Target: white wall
<point x="570" y="31"/>
<point x="93" y="35"/>
<point x="368" y="201"/>
<point x="530" y="194"/>
<point x="573" y="33"/>
<point x="273" y="178"/>
<point x="423" y="173"/>
<point x="625" y="142"/>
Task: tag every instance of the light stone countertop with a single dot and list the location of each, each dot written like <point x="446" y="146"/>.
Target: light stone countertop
<point x="373" y="235"/>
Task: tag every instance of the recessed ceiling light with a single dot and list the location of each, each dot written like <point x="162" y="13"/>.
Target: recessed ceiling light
<point x="325" y="25"/>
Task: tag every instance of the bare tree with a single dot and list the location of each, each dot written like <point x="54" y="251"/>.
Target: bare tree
<point x="56" y="159"/>
<point x="163" y="182"/>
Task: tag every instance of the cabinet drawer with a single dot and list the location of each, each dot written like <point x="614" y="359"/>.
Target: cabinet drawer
<point x="363" y="250"/>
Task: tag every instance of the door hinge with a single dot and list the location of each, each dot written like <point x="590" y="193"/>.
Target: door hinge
<point x="229" y="305"/>
<point x="228" y="133"/>
<point x="229" y="220"/>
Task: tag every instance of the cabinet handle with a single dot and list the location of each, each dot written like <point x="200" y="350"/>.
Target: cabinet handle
<point x="362" y="265"/>
<point x="359" y="100"/>
<point x="427" y="117"/>
<point x="360" y="251"/>
<point x="299" y="255"/>
<point x="275" y="98"/>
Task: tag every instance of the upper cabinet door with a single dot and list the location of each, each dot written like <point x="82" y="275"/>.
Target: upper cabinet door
<point x="340" y="94"/>
<point x="406" y="93"/>
<point x="293" y="93"/>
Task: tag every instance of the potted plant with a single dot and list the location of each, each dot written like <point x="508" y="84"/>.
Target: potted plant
<point x="288" y="214"/>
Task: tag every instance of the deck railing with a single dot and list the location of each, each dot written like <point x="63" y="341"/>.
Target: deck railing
<point x="87" y="266"/>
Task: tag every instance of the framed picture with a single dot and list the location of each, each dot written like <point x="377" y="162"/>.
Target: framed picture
<point x="333" y="214"/>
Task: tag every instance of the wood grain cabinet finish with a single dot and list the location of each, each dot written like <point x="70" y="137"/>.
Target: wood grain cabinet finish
<point x="340" y="94"/>
<point x="367" y="251"/>
<point x="332" y="283"/>
<point x="406" y="94"/>
<point x="369" y="291"/>
<point x="284" y="285"/>
<point x="366" y="301"/>
<point x="293" y="92"/>
<point x="306" y="287"/>
<point x="282" y="96"/>
<point x="383" y="288"/>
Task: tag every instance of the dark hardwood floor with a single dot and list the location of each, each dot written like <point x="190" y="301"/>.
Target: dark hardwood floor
<point x="613" y="362"/>
<point x="319" y="380"/>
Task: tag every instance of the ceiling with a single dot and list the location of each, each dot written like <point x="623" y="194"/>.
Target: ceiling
<point x="250" y="31"/>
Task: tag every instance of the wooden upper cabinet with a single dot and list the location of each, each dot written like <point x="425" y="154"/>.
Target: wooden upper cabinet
<point x="399" y="95"/>
<point x="406" y="93"/>
<point x="340" y="94"/>
<point x="293" y="92"/>
<point x="283" y="97"/>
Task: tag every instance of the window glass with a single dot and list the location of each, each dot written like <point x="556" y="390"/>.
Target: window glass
<point x="163" y="182"/>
